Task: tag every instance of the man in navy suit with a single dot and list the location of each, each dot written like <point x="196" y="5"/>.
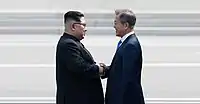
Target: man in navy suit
<point x="124" y="73"/>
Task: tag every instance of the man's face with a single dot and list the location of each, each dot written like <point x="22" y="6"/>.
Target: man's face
<point x="80" y="28"/>
<point x="119" y="27"/>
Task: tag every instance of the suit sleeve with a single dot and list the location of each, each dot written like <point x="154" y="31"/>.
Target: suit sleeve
<point x="75" y="63"/>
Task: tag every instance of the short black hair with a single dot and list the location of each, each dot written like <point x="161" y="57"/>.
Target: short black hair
<point x="73" y="15"/>
<point x="128" y="17"/>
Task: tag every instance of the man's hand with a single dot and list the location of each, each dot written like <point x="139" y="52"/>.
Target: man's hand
<point x="101" y="70"/>
<point x="102" y="65"/>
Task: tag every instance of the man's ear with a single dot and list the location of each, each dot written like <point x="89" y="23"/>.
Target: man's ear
<point x="126" y="25"/>
<point x="72" y="26"/>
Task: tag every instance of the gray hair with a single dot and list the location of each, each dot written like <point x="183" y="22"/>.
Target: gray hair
<point x="126" y="16"/>
<point x="118" y="11"/>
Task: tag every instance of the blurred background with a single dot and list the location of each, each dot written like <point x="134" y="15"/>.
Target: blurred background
<point x="168" y="30"/>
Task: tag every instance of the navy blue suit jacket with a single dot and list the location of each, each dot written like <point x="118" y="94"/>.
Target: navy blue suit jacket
<point x="124" y="75"/>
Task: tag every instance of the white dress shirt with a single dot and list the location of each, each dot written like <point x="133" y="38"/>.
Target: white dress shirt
<point x="125" y="36"/>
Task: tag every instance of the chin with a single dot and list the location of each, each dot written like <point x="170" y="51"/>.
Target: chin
<point x="82" y="38"/>
<point x="118" y="35"/>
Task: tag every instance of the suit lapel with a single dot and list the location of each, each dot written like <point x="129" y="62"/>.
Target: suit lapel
<point x="86" y="52"/>
<point x="125" y="41"/>
<point x="121" y="47"/>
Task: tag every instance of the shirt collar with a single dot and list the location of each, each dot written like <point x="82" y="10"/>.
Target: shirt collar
<point x="125" y="36"/>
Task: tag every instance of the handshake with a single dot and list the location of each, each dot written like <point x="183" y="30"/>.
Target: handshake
<point x="102" y="69"/>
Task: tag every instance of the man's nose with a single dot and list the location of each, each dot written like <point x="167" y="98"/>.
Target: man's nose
<point x="114" y="26"/>
<point x="85" y="29"/>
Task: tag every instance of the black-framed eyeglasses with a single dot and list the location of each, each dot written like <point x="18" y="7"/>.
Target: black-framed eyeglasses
<point x="83" y="24"/>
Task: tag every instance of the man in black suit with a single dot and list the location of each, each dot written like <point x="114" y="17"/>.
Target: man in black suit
<point x="77" y="75"/>
<point x="124" y="73"/>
